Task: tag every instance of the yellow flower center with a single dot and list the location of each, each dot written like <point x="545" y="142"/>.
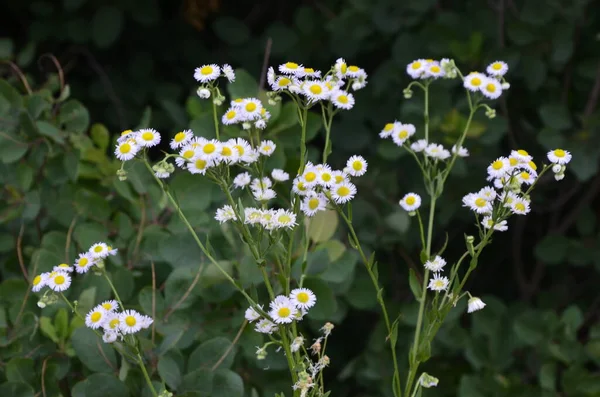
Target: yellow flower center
<point x="309" y="70"/>
<point x="497" y="165"/>
<point x="533" y="165"/>
<point x="353" y="68"/>
<point x="313" y="204"/>
<point x="310" y="176"/>
<point x="403" y="134"/>
<point x="95" y="317"/>
<point x="267" y="148"/>
<point x="125" y="148"/>
<point x="284" y="82"/>
<point x="284" y="312"/>
<point x="206" y="70"/>
<point x="114" y="323"/>
<point x="180" y="136"/>
<point x="126" y="132"/>
<point x="342" y="99"/>
<point x="525" y="175"/>
<point x="491" y="87"/>
<point x="301" y="186"/>
<point x="497" y="66"/>
<point x="250" y="107"/>
<point x="98" y="249"/>
<point x="316" y="89"/>
<point x="284" y="219"/>
<point x="200" y="164"/>
<point x="291" y="65"/>
<point x="357" y="165"/>
<point x="188" y="154"/>
<point x="480" y="202"/>
<point x="343" y="191"/>
<point x="226" y="151"/>
<point x="147" y="136"/>
<point x="59" y="280"/>
<point x="513" y="161"/>
<point x="302" y="297"/>
<point x="522" y="152"/>
<point x="416" y="65"/>
<point x="520" y="206"/>
<point x="339" y="179"/>
<point x="107" y="305"/>
<point x="435" y="69"/>
<point x="559" y="153"/>
<point x="238" y="100"/>
<point x="476" y="81"/>
<point x="410" y="200"/>
<point x="438" y="283"/>
<point x="344" y="68"/>
<point x="326" y="177"/>
<point x="130" y="321"/>
<point x="37" y="280"/>
<point x="63" y="265"/>
<point x="328" y="85"/>
<point x="240" y="149"/>
<point x="209" y="148"/>
<point x="388" y="127"/>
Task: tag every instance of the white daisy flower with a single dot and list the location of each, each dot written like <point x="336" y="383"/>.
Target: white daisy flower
<point x="416" y="68"/>
<point x="526" y="177"/>
<point x="313" y="203"/>
<point x="130" y="322"/>
<point x="499" y="167"/>
<point x="84" y="262"/>
<point x="252" y="216"/>
<point x="186" y="154"/>
<point x="228" y="72"/>
<point x="147" y="137"/>
<point x="207" y="73"/>
<point x="357" y="165"/>
<point x="419" y="145"/>
<point x="339" y="177"/>
<point x="559" y="156"/>
<point x="487" y="193"/>
<point x="113" y="322"/>
<point x="437" y="151"/>
<point x="126" y="150"/>
<point x="340" y="67"/>
<point x="292" y="68"/>
<point x="410" y="202"/>
<point x="231" y="116"/>
<point x="267" y="219"/>
<point x="109" y="336"/>
<point x="146" y="321"/>
<point x="181" y="138"/>
<point x="507" y="198"/>
<point x="436" y="264"/>
<point x="300" y="187"/>
<point x="99" y="250"/>
<point x="263" y="195"/>
<point x="284" y="82"/>
<point x="203" y="93"/>
<point x="270" y="75"/>
<point x="433" y="70"/>
<point x="462" y="152"/>
<point x="521" y="155"/>
<point x="228" y="153"/>
<point x="125" y="136"/>
<point x="303" y="298"/>
<point x="360" y="82"/>
<point x="260" y="124"/>
<point x="477" y="203"/>
<point x="251" y="108"/>
<point x="402" y="133"/>
<point x="474" y="304"/>
<point x="265" y="326"/>
<point x="312" y="73"/>
<point x="474" y="81"/>
<point x="491" y="88"/>
<point x="354" y="71"/>
<point x="315" y="90"/>
<point x="209" y="150"/>
<point x="310" y="175"/>
<point x="245" y="152"/>
<point x="296" y="344"/>
<point x="283" y="310"/>
<point x="489" y="223"/>
<point x="251" y="314"/>
<point x="389" y="129"/>
<point x="497" y="68"/>
<point x="39" y="282"/>
<point x="325" y="176"/>
<point x="261" y="184"/>
<point x="284" y="218"/>
<point x="342" y="99"/>
<point x="225" y="214"/>
<point x="198" y="166"/>
<point x="63" y="267"/>
<point x="109" y="306"/>
<point x="242" y="180"/>
<point x="343" y="192"/>
<point x="59" y="281"/>
<point x="280" y="175"/>
<point x="520" y="206"/>
<point x="438" y="283"/>
<point x="267" y="147"/>
<point x="96" y="317"/>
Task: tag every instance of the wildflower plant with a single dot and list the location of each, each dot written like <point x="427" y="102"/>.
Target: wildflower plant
<point x="271" y="209"/>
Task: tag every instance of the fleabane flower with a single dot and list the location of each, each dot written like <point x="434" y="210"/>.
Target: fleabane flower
<point x="264" y="194"/>
<point x="325" y="176"/>
<point x="390" y="129"/>
<point x="438" y="283"/>
<point x="203" y="93"/>
<point x="474" y="304"/>
<point x="283" y="310"/>
<point x="125" y="136"/>
<point x="559" y="156"/>
<point x="311" y="72"/>
<point x="245" y="151"/>
<point x="231" y="116"/>
<point x="208" y="150"/>
<point x="284" y="219"/>
<point x="436" y="264"/>
<point x="267" y="147"/>
<point x="109" y="305"/>
<point x="63" y="267"/>
<point x="437" y="151"/>
<point x="283" y="82"/>
<point x="96" y="317"/>
<point x="199" y="166"/>
<point x="477" y="203"/>
<point x="130" y="322"/>
<point x="242" y="180"/>
<point x="462" y="151"/>
<point x="526" y="177"/>
<point x="270" y="75"/>
<point x="342" y="99"/>
<point x="433" y="70"/>
<point x="292" y="68"/>
<point x="280" y="175"/>
<point x="251" y="314"/>
<point x="300" y="187"/>
<point x="341" y="68"/>
<point x="126" y="150"/>
<point x="315" y="90"/>
<point x="181" y="138"/>
<point x="186" y="154"/>
<point x="265" y="326"/>
<point x="419" y="145"/>
<point x="491" y="88"/>
<point x="497" y="68"/>
<point x="84" y="262"/>
<point x="488" y="193"/>
<point x="499" y="167"/>
<point x="410" y="202"/>
<point x="520" y="206"/>
<point x="313" y="203"/>
<point x="402" y="133"/>
<point x="416" y="68"/>
<point x="521" y="155"/>
<point x="39" y="282"/>
<point x="356" y="165"/>
<point x="109" y="336"/>
<point x="303" y="298"/>
<point x="228" y="153"/>
<point x="252" y="216"/>
<point x="59" y="281"/>
<point x="473" y="81"/>
<point x="343" y="192"/>
<point x="207" y="73"/>
<point x="489" y="223"/>
<point x="225" y="214"/>
<point x="147" y="137"/>
<point x="261" y="184"/>
<point x="228" y="73"/>
<point x="99" y="250"/>
<point x="251" y="108"/>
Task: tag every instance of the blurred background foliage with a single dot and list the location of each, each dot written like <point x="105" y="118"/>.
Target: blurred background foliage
<point x="94" y="68"/>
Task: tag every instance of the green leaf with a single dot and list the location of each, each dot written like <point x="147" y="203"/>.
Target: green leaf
<point x="231" y="30"/>
<point x="49" y="130"/>
<point x="555" y="116"/>
<point x="227" y="383"/>
<point x="199" y="380"/>
<point x="548" y="376"/>
<point x="145" y="300"/>
<point x="552" y="250"/>
<point x="61" y="323"/>
<point x="123" y="281"/>
<point x="415" y="285"/>
<point x="94" y="353"/>
<point x="107" y="24"/>
<point x="100" y="135"/>
<point x="86" y="234"/>
<point x="399" y="221"/>
<point x="322" y="226"/>
<point x="103" y="385"/>
<point x="20" y="369"/>
<point x="12" y="150"/>
<point x="211" y="351"/>
<point x="74" y="116"/>
<point x="326" y="305"/>
<point x="342" y="268"/>
<point x="244" y="85"/>
<point x="169" y="372"/>
<point x="192" y="192"/>
<point x="16" y="389"/>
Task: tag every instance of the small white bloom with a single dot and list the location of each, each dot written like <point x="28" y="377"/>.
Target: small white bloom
<point x="303" y="298"/>
<point x="59" y="281"/>
<point x="487" y="193"/>
<point x="475" y="304"/>
<point x="526" y="177"/>
<point x="84" y="262"/>
<point x="270" y="75"/>
<point x="126" y="150"/>
<point x="557" y="168"/>
<point x="342" y="99"/>
<point x="225" y="214"/>
<point x="436" y="264"/>
<point x="488" y="223"/>
<point x="521" y="155"/>
<point x="261" y="184"/>
<point x="208" y="150"/>
<point x="520" y="206"/>
<point x="390" y="129"/>
<point x="147" y="137"/>
<point x="410" y="202"/>
<point x="181" y="138"/>
<point x="499" y="167"/>
<point x="357" y="165"/>
<point x="313" y="203"/>
<point x="284" y="218"/>
<point x="477" y="203"/>
<point x="207" y="73"/>
<point x="63" y="267"/>
<point x="265" y="326"/>
<point x="231" y="116"/>
<point x="343" y="192"/>
<point x="280" y="175"/>
<point x="109" y="336"/>
<point x="264" y="194"/>
<point x="242" y="180"/>
<point x="341" y="68"/>
<point x="283" y="310"/>
<point x="99" y="250"/>
<point x="251" y="108"/>
<point x="300" y="187"/>
<point x="438" y="283"/>
<point x="559" y="156"/>
<point x="109" y="305"/>
<point x="497" y="68"/>
<point x="228" y="73"/>
<point x="474" y="81"/>
<point x="419" y="145"/>
<point x="199" y="166"/>
<point x="297" y="343"/>
<point x="130" y="322"/>
<point x="315" y="90"/>
<point x="251" y="314"/>
<point x="462" y="152"/>
<point x="245" y="152"/>
<point x="252" y="216"/>
<point x="39" y="282"/>
<point x="267" y="148"/>
<point x="416" y="68"/>
<point x="402" y="133"/>
<point x="96" y="317"/>
<point x="433" y="70"/>
<point x="292" y="68"/>
<point x="437" y="151"/>
<point x="491" y="88"/>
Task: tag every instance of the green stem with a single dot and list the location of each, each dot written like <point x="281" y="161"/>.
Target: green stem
<point x="146" y="376"/>
<point x="426" y="112"/>
<point x="327" y="123"/>
<point x="288" y="354"/>
<point x="214" y="106"/>
<point x="460" y="141"/>
<point x="303" y="141"/>
<point x="114" y="290"/>
<point x="396" y="384"/>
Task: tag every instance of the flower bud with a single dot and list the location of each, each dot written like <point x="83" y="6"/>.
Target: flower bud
<point x="428" y="381"/>
<point x="557" y="168"/>
<point x="407" y="93"/>
<point x="559" y="177"/>
<point x="490" y="113"/>
<point x="203" y="93"/>
<point x="261" y="353"/>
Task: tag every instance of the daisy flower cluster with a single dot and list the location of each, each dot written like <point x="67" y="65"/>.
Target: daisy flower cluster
<point x="207" y="75"/>
<point x="431" y="69"/>
<point x="116" y="324"/>
<point x="59" y="279"/>
<point x="130" y="142"/>
<point x="282" y="310"/>
<point x="248" y="112"/>
<point x="438" y="282"/>
<point x="315" y="86"/>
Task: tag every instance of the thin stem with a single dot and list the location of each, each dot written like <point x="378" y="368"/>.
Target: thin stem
<point x="214" y="106"/>
<point x="303" y="121"/>
<point x="112" y="287"/>
<point x="146" y="376"/>
<point x="327" y="123"/>
<point x="426" y="112"/>
<point x="288" y="355"/>
<point x="421" y="228"/>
